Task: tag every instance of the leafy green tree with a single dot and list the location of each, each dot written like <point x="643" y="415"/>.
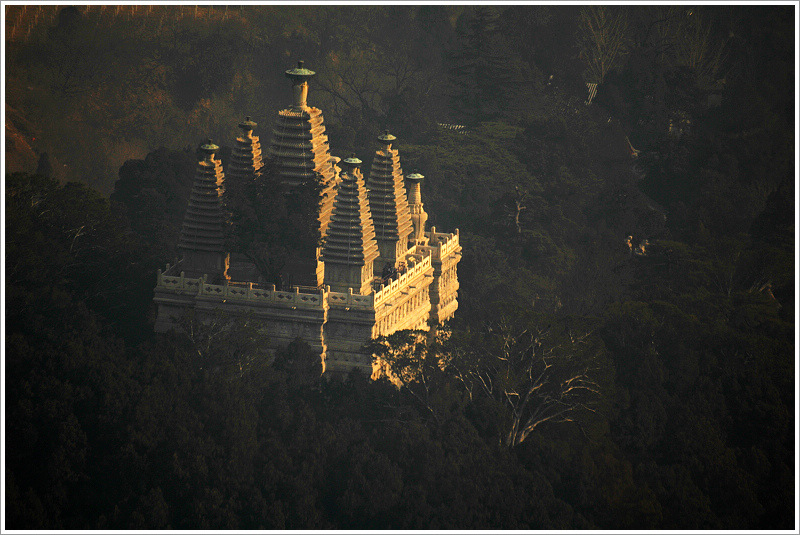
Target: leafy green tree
<point x="72" y="48"/>
<point x="71" y="238"/>
<point x="410" y="360"/>
<point x="272" y="225"/>
<point x="154" y="192"/>
<point x="301" y="363"/>
<point x="225" y="343"/>
<point x="70" y="380"/>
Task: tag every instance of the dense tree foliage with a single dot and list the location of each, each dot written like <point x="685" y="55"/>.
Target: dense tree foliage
<point x="585" y="381"/>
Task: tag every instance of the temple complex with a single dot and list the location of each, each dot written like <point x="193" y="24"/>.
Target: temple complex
<point x="376" y="270"/>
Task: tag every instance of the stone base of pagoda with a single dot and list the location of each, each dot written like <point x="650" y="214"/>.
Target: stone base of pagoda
<point x="303" y="268"/>
<point x="199" y="263"/>
<point x="346" y="277"/>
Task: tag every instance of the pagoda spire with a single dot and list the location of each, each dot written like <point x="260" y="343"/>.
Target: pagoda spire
<point x="202" y="237"/>
<point x="418" y="215"/>
<point x="299" y="77"/>
<point x="350" y="248"/>
<point x="389" y="205"/>
<point x="246" y="155"/>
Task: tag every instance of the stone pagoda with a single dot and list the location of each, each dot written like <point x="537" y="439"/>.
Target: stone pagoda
<point x="350" y="247"/>
<point x="246" y="155"/>
<point x="202" y="238"/>
<point x="377" y="269"/>
<point x="389" y="203"/>
<point x="301" y="155"/>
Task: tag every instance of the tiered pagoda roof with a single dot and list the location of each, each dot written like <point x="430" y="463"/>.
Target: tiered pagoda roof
<point x="204" y="221"/>
<point x="246" y="155"/>
<point x="351" y="235"/>
<point x="387" y="196"/>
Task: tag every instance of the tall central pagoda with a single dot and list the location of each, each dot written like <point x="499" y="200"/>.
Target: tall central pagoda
<point x="301" y="155"/>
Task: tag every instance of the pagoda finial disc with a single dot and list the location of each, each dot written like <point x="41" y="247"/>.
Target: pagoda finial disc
<point x="386" y="138"/>
<point x="247" y="124"/>
<point x="351" y="163"/>
<point x="300" y="73"/>
<point x="209" y="146"/>
<point x="352" y="160"/>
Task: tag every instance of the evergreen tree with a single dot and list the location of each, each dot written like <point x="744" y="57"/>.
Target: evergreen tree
<point x="484" y="74"/>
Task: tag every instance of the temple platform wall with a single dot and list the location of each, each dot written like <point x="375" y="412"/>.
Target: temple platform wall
<point x="445" y="251"/>
<point x="351" y="318"/>
<point x="405" y="302"/>
<point x="285" y="315"/>
<point x="336" y="324"/>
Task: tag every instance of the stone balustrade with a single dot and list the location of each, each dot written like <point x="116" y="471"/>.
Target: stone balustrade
<point x="449" y="246"/>
<point x="246" y="292"/>
<point x="401" y="282"/>
<point x="350" y="300"/>
<point x="441" y="244"/>
<point x="291" y="113"/>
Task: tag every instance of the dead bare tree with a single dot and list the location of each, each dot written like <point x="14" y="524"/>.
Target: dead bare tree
<point x="518" y="207"/>
<point x="222" y="342"/>
<point x="367" y="67"/>
<point x="531" y="376"/>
